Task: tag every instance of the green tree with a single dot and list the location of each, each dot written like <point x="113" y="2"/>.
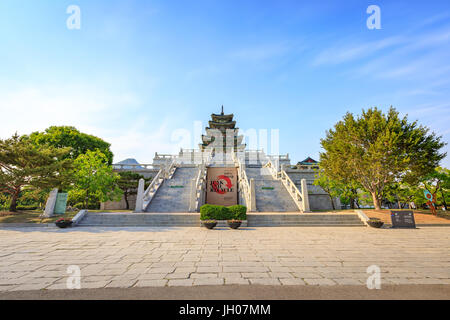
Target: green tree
<point x="377" y="149"/>
<point x="438" y="182"/>
<point x="94" y="175"/>
<point x="128" y="183"/>
<point x="64" y="136"/>
<point x="349" y="191"/>
<point x="330" y="186"/>
<point x="23" y="163"/>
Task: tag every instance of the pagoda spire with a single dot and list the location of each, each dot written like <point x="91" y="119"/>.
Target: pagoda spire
<point x="222" y="111"/>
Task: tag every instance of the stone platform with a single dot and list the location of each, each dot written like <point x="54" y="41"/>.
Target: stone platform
<point x="259" y="219"/>
<point x="127" y="257"/>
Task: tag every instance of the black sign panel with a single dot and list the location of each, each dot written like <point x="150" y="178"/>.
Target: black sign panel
<point x="403" y="219"/>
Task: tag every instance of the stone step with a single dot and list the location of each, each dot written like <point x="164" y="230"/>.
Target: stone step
<point x="140" y="219"/>
<point x="192" y="219"/>
<point x="271" y="194"/>
<point x="266" y="220"/>
<point x="174" y="194"/>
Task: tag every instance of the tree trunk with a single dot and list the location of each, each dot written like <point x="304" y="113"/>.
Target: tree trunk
<point x="125" y="195"/>
<point x="352" y="203"/>
<point x="376" y="201"/>
<point x="443" y="200"/>
<point x="86" y="200"/>
<point x="13" y="204"/>
<point x="332" y="202"/>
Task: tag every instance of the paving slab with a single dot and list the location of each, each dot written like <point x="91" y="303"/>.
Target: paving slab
<point x="33" y="259"/>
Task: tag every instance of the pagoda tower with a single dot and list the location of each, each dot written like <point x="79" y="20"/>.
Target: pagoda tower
<point x="222" y="125"/>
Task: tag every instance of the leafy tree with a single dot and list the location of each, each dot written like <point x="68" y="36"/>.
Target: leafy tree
<point x="95" y="177"/>
<point x="438" y="182"/>
<point x="23" y="163"/>
<point x="128" y="183"/>
<point x="330" y="186"/>
<point x="64" y="136"/>
<point x="401" y="193"/>
<point x="377" y="149"/>
<point x="350" y="193"/>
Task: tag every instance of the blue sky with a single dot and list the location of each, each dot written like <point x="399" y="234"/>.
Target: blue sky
<point x="140" y="73"/>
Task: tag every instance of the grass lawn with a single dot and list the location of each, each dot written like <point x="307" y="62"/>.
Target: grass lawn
<point x="30" y="216"/>
<point x="420" y="216"/>
<point x="33" y="216"/>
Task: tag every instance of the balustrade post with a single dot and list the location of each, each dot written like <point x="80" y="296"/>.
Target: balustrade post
<point x="305" y="196"/>
<point x="140" y="196"/>
<point x="252" y="195"/>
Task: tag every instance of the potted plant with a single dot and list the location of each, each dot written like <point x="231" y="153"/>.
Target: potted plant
<point x="63" y="223"/>
<point x="375" y="222"/>
<point x="234" y="224"/>
<point x="210" y="224"/>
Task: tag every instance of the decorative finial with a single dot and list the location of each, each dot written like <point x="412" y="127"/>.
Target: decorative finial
<point x="222" y="110"/>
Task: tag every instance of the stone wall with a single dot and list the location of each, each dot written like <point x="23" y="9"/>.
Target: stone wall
<point x="119" y="205"/>
<point x="318" y="198"/>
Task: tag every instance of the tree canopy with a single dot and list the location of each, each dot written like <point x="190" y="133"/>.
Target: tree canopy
<point x="95" y="177"/>
<point x="377" y="149"/>
<point x="65" y="136"/>
<point x="22" y="163"/>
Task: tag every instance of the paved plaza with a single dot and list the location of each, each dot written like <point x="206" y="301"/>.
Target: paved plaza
<point x="38" y="258"/>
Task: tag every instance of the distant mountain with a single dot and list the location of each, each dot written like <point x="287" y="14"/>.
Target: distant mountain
<point x="129" y="161"/>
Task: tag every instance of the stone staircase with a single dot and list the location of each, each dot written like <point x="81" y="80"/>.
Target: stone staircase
<point x="125" y="219"/>
<point x="174" y="194"/>
<point x="271" y="194"/>
<point x="304" y="220"/>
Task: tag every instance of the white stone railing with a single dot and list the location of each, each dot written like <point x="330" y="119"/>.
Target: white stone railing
<point x="144" y="197"/>
<point x="198" y="190"/>
<point x="247" y="188"/>
<point x="301" y="199"/>
<point x="164" y="156"/>
<point x="135" y="167"/>
<point x="292" y="189"/>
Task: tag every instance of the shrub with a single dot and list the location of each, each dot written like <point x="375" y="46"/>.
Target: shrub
<point x="238" y="212"/>
<point x="212" y="212"/>
<point x="27" y="208"/>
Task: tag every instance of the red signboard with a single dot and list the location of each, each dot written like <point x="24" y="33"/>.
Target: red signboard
<point x="222" y="186"/>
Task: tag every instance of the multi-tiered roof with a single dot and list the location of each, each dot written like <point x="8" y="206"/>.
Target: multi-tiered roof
<point x="222" y="124"/>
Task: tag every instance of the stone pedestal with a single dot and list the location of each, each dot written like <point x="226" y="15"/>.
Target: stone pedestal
<point x="50" y="205"/>
<point x="140" y="196"/>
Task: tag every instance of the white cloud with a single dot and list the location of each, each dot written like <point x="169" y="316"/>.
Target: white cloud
<point x="113" y="116"/>
<point x="344" y="53"/>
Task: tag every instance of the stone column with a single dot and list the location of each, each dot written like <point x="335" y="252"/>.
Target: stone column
<point x="305" y="196"/>
<point x="50" y="205"/>
<point x="252" y="196"/>
<point x="140" y="196"/>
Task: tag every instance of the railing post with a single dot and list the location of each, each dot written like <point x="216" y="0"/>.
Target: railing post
<point x="252" y="195"/>
<point x="140" y="196"/>
<point x="305" y="197"/>
<point x="193" y="195"/>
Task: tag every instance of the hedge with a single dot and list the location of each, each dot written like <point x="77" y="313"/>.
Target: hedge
<point x="213" y="212"/>
<point x="239" y="212"/>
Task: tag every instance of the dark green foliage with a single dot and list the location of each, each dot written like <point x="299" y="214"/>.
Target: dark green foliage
<point x="25" y="208"/>
<point x="80" y="143"/>
<point x="128" y="183"/>
<point x="377" y="149"/>
<point x="239" y="212"/>
<point x="24" y="164"/>
<point x="212" y="212"/>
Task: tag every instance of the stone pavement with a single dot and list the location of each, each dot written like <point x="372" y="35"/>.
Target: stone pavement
<point x="38" y="258"/>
